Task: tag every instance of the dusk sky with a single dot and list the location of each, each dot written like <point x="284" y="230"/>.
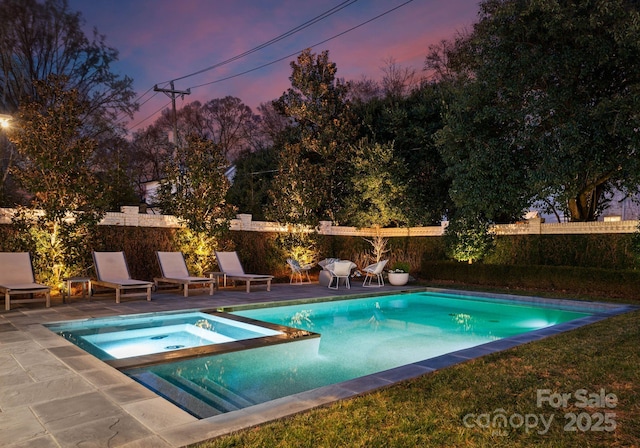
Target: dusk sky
<point x="163" y="40"/>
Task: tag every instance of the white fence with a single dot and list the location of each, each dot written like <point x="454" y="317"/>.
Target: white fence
<point x="130" y="216"/>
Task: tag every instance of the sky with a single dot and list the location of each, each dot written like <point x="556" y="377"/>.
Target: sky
<point x="163" y="40"/>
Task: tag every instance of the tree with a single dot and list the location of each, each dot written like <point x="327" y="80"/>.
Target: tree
<point x="56" y="168"/>
<point x="270" y="128"/>
<point x="408" y="123"/>
<point x="195" y="186"/>
<point x="468" y="239"/>
<point x="364" y="90"/>
<point x="378" y="187"/>
<point x="545" y="108"/>
<point x="232" y="122"/>
<point x="252" y="181"/>
<point x="314" y="167"/>
<point x="227" y="122"/>
<point x="194" y="190"/>
<point x="151" y="151"/>
<point x="39" y="39"/>
<point x="114" y="165"/>
<point x="397" y="81"/>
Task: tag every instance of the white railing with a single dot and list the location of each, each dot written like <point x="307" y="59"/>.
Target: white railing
<point x="130" y="216"/>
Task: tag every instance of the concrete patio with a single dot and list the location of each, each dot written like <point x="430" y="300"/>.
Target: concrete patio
<point x="53" y="394"/>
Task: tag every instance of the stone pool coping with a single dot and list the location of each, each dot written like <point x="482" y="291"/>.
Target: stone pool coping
<point x="54" y="394"/>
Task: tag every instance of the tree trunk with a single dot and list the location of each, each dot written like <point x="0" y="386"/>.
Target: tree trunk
<point x="584" y="206"/>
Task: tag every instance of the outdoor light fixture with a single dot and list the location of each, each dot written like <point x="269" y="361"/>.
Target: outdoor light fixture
<point x="4" y="120"/>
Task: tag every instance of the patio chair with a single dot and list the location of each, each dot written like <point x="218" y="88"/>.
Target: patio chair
<point x="230" y="266"/>
<point x="174" y="270"/>
<point x="16" y="278"/>
<point x="324" y="276"/>
<point x="371" y="271"/>
<point x="340" y="270"/>
<point x="298" y="270"/>
<point x="112" y="272"/>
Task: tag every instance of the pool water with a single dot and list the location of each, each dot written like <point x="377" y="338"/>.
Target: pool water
<point x="128" y="343"/>
<point x="123" y="337"/>
<point x="358" y="337"/>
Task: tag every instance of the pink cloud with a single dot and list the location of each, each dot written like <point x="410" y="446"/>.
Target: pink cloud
<point x="160" y="40"/>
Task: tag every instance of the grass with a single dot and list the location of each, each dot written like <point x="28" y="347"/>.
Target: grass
<point x="431" y="410"/>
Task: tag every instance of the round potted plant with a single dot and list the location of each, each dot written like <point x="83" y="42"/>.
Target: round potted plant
<point x="399" y="275"/>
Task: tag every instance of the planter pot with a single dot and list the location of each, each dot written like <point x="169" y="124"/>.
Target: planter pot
<point x="398" y="278"/>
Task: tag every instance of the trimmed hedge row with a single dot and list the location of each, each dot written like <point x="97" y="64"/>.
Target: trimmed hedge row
<point x="608" y="251"/>
<point x="599" y="264"/>
<point x="591" y="281"/>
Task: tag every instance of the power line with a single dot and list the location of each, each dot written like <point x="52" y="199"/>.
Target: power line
<point x="298" y="52"/>
<point x="276" y="60"/>
<point x="122" y="115"/>
<point x="291" y="32"/>
<point x="150" y="115"/>
<point x="298" y="28"/>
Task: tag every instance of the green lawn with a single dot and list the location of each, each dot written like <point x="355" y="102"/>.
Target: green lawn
<point x="450" y="406"/>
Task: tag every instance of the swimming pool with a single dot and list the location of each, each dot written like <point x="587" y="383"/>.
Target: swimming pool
<point x="123" y="341"/>
<point x="358" y="337"/>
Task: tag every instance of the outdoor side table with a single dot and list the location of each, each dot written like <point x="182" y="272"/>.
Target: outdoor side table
<point x="84" y="281"/>
<point x="217" y="275"/>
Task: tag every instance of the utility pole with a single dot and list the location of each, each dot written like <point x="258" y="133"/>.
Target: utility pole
<point x="172" y="93"/>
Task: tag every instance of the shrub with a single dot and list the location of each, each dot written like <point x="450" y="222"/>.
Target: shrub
<point x="468" y="240"/>
<point x="401" y="266"/>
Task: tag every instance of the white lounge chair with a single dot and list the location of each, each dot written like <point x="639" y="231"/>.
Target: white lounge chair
<point x="371" y="271"/>
<point x="174" y="270"/>
<point x="16" y="278"/>
<point x="230" y="266"/>
<point x="340" y="270"/>
<point x="298" y="271"/>
<point x="112" y="272"/>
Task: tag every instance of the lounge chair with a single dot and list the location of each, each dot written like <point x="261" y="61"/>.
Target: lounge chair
<point x="374" y="270"/>
<point x="16" y="278"/>
<point x="112" y="272"/>
<point x="230" y="266"/>
<point x="340" y="270"/>
<point x="174" y="270"/>
<point x="298" y="271"/>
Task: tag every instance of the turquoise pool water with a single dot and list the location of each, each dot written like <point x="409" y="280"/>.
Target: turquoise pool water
<point x="124" y="337"/>
<point x="358" y="337"/>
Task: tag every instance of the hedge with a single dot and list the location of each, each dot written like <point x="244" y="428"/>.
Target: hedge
<point x="608" y="251"/>
<point x="577" y="280"/>
<point x="599" y="263"/>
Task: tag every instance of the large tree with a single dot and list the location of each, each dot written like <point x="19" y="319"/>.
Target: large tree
<point x="56" y="163"/>
<point x="314" y="167"/>
<point x="546" y="104"/>
<point x="254" y="174"/>
<point x="56" y="168"/>
<point x="43" y="38"/>
<point x="407" y="120"/>
<point x="378" y="186"/>
<point x="227" y="122"/>
<point x="195" y="186"/>
<point x="152" y="150"/>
